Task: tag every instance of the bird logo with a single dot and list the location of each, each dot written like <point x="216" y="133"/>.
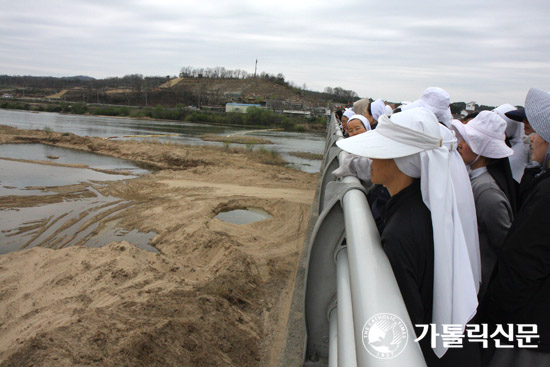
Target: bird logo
<point x="385" y="336"/>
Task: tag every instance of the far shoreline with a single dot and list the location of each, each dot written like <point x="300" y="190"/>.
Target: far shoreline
<point x="124" y="112"/>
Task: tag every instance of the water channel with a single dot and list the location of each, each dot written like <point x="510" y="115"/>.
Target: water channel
<point x="187" y="133"/>
<point x="65" y="223"/>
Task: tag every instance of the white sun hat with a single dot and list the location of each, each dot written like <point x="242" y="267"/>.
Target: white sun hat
<point x="537" y="109"/>
<point x="436" y="100"/>
<point x="363" y="120"/>
<point x="402" y="135"/>
<point x="413" y="138"/>
<point x="485" y="135"/>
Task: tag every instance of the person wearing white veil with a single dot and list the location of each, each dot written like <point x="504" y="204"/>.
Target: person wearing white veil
<point x="345" y="118"/>
<point x="373" y="112"/>
<point x="358" y="124"/>
<point x="424" y="238"/>
<point x="354" y="165"/>
<point x="484" y="151"/>
<point x="518" y="141"/>
<point x="436" y="100"/>
<point x="518" y="292"/>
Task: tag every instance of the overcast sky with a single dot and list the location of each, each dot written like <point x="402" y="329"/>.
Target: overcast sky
<point x="489" y="51"/>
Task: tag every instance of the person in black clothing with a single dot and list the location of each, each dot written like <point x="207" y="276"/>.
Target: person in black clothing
<point x="425" y="244"/>
<point x="339" y="115"/>
<point x="483" y="149"/>
<point x="519" y="288"/>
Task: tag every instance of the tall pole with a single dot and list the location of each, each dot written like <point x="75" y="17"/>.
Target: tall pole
<point x="255" y="68"/>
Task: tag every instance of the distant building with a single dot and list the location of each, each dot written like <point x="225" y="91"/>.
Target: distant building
<point x="470" y="107"/>
<point x="240" y="107"/>
<point x="7" y="95"/>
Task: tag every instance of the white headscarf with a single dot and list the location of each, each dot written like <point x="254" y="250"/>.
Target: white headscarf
<point x="363" y="120"/>
<point x="416" y="140"/>
<point x="389" y="110"/>
<point x="348" y="113"/>
<point x="457" y="269"/>
<point x="436" y="100"/>
<point x="463" y="192"/>
<point x="377" y="109"/>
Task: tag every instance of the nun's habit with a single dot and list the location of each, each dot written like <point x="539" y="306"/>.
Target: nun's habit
<point x="519" y="288"/>
<point x="424" y="237"/>
<point x="493" y="185"/>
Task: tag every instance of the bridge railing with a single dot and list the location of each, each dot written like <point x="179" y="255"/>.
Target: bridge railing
<point x="355" y="315"/>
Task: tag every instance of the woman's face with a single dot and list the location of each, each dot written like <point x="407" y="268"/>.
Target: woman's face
<point x="468" y="156"/>
<point x="539" y="147"/>
<point x="383" y="171"/>
<point x="527" y="127"/>
<point x="345" y="123"/>
<point x="356" y="127"/>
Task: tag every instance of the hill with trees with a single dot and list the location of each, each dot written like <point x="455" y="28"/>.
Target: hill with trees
<point x="199" y="87"/>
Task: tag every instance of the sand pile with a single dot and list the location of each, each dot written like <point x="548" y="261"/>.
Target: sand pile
<point x="217" y="294"/>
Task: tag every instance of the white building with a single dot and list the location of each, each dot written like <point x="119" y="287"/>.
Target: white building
<point x="470" y="107"/>
<point x="240" y="107"/>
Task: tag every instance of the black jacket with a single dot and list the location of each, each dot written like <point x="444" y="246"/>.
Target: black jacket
<point x="407" y="240"/>
<point x="501" y="172"/>
<point x="519" y="289"/>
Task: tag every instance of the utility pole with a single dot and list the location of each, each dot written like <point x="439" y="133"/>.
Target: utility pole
<point x="255" y="81"/>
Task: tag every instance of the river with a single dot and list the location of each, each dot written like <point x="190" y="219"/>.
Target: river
<point x="187" y="133"/>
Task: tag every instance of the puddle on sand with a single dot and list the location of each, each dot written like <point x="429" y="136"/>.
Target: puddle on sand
<point x="15" y="177"/>
<point x="87" y="221"/>
<point x="42" y="152"/>
<point x="73" y="222"/>
<point x="243" y="216"/>
<point x="112" y="233"/>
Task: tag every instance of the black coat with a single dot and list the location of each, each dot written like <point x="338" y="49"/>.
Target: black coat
<point x="407" y="240"/>
<point x="519" y="289"/>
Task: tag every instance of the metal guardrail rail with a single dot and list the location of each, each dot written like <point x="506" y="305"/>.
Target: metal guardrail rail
<point x="355" y="315"/>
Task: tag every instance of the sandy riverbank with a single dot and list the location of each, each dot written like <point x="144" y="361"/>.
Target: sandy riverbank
<point x="217" y="294"/>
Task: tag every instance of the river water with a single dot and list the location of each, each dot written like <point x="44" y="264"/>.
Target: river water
<point x="187" y="133"/>
<point x="66" y="223"/>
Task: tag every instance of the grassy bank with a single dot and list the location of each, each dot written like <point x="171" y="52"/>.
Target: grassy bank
<point x="256" y="117"/>
<point x="306" y="155"/>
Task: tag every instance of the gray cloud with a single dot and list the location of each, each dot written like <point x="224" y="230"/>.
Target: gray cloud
<point x="491" y="51"/>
